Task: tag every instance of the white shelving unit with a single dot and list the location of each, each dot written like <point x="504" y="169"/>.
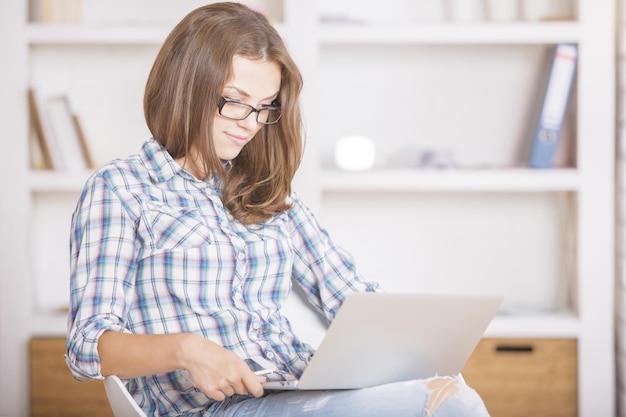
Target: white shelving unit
<point x="412" y="180"/>
<point x="579" y="193"/>
<point x="544" y="238"/>
<point x="451" y="33"/>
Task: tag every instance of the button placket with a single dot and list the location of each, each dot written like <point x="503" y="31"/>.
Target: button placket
<point x="240" y="272"/>
<point x="254" y="330"/>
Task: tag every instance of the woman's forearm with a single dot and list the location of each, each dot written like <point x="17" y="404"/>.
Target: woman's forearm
<point x="216" y="371"/>
<point x="132" y="355"/>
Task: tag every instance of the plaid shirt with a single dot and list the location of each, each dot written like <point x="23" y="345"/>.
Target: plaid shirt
<point x="153" y="250"/>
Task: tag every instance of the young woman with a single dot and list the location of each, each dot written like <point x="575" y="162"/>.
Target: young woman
<point x="183" y="255"/>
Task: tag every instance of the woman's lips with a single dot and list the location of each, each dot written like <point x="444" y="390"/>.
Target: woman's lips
<point x="237" y="140"/>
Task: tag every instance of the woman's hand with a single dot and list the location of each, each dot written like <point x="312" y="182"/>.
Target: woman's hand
<point x="216" y="371"/>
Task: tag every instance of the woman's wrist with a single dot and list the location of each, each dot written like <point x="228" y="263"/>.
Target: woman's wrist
<point x="185" y="344"/>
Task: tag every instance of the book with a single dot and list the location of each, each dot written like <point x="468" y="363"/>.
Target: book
<point x="56" y="11"/>
<point x="549" y="124"/>
<point x="83" y="142"/>
<point x="67" y="135"/>
<point x="49" y="152"/>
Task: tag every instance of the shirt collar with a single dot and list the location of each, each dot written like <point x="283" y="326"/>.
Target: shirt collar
<point x="160" y="164"/>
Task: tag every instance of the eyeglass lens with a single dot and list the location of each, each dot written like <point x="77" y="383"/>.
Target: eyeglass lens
<point x="239" y="111"/>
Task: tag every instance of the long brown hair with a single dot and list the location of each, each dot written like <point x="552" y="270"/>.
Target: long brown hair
<point x="184" y="88"/>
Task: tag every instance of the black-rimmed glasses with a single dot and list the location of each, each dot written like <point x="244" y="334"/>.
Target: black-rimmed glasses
<point x="236" y="110"/>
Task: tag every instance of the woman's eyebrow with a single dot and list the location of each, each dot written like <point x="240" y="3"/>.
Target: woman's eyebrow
<point x="244" y="94"/>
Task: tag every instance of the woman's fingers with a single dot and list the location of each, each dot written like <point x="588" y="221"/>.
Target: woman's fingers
<point x="225" y="382"/>
<point x="218" y="372"/>
<point x="254" y="384"/>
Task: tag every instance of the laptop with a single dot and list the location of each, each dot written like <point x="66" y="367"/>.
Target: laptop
<point x="380" y="338"/>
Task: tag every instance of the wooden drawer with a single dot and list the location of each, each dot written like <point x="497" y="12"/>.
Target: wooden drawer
<point x="515" y="377"/>
<point x="53" y="391"/>
<point x="525" y="377"/>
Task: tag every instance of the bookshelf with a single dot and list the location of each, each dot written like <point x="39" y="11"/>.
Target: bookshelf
<point x="544" y="238"/>
<point x="412" y="180"/>
<point x="449" y="33"/>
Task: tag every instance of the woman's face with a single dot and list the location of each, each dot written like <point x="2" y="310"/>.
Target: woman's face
<point x="256" y="83"/>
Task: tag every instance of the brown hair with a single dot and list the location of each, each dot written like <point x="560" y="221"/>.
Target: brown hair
<point x="185" y="86"/>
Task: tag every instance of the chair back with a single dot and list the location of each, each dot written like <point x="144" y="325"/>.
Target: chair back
<point x="122" y="403"/>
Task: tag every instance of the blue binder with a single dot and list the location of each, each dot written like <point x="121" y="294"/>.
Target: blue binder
<point x="554" y="106"/>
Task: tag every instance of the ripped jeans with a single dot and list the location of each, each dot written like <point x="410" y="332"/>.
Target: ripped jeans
<point x="433" y="397"/>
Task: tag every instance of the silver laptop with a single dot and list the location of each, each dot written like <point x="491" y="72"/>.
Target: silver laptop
<point x="379" y="338"/>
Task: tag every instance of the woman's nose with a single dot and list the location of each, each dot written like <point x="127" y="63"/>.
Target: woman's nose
<point x="250" y="122"/>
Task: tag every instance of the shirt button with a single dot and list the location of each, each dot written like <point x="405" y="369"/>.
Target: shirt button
<point x="238" y="296"/>
<point x="256" y="325"/>
<point x="269" y="355"/>
<point x="241" y="256"/>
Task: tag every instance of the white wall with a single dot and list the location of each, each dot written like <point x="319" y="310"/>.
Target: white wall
<point x="14" y="296"/>
<point x="621" y="210"/>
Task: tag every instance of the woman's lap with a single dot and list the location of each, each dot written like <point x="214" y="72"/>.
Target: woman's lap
<point x="435" y="397"/>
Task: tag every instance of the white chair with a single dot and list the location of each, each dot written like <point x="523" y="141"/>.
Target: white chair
<point x="122" y="403"/>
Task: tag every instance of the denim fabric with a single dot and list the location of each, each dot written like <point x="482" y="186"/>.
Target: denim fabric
<point x="403" y="399"/>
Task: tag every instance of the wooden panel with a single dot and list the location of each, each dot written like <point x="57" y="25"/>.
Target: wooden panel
<point x="515" y="377"/>
<point x="525" y="377"/>
<point x="53" y="390"/>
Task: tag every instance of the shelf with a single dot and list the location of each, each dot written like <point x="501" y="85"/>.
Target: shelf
<point x="147" y="35"/>
<point x="328" y="34"/>
<point x="552" y="326"/>
<point x="523" y="326"/>
<point x="541" y="326"/>
<point x="493" y="180"/>
<point x="47" y="34"/>
<point x="50" y="181"/>
<point x="429" y="34"/>
<point x="534" y="326"/>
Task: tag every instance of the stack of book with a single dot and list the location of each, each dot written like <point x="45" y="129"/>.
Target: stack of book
<point x="59" y="134"/>
<point x="56" y="11"/>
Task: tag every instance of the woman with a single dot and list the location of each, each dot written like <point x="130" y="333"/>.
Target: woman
<point x="182" y="256"/>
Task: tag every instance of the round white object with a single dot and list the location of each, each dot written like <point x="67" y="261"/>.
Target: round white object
<point x="355" y="153"/>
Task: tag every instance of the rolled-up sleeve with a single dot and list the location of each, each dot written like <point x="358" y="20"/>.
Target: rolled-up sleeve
<point x="102" y="268"/>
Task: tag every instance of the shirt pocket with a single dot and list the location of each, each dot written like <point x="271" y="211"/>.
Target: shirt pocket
<point x="168" y="228"/>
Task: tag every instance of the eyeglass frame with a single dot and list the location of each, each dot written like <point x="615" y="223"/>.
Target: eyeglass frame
<point x="225" y="100"/>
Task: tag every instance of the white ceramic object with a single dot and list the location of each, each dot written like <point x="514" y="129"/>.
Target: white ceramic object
<point x="355" y="153"/>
